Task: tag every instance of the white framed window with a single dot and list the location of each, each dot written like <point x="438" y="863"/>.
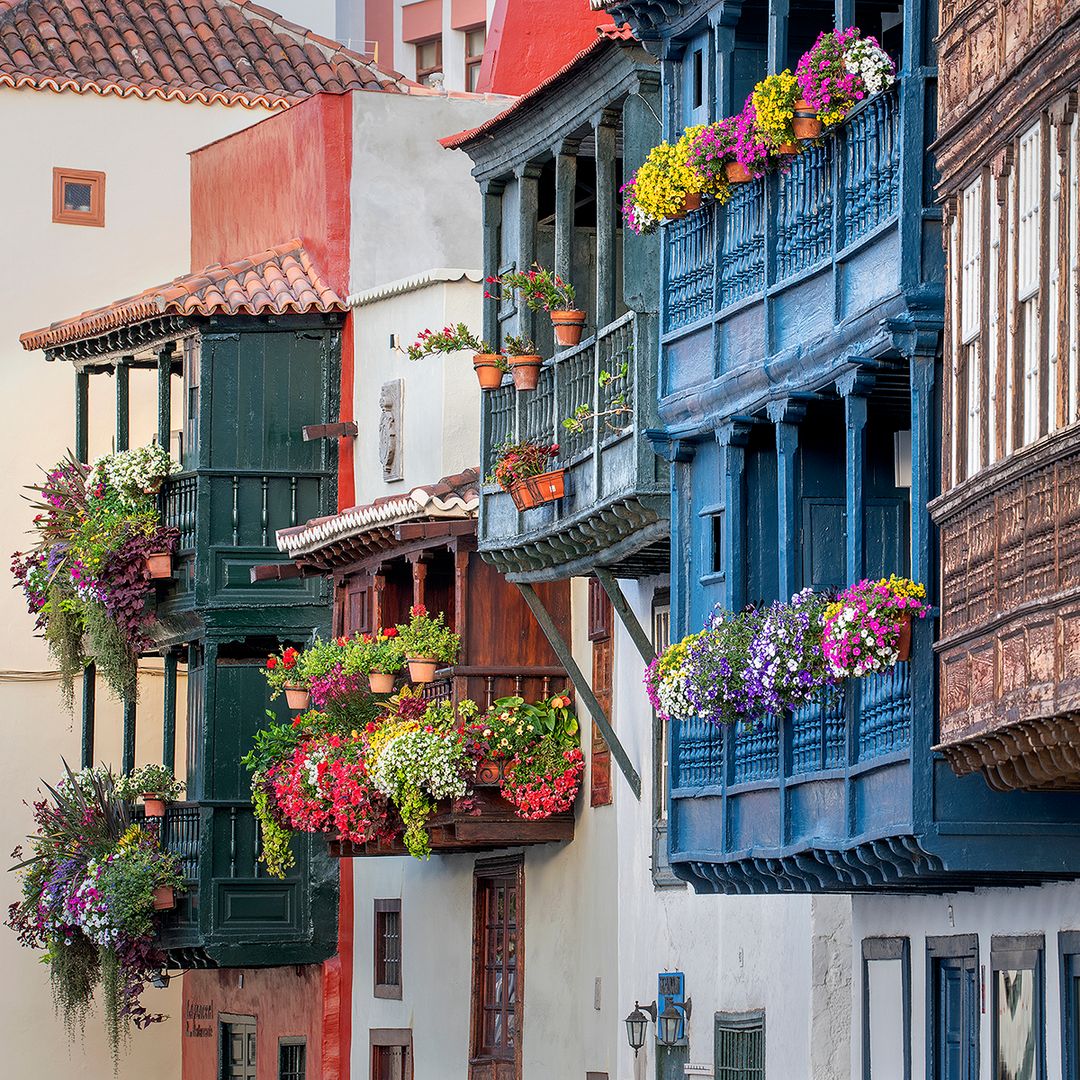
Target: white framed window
<point x="993" y="318"/>
<point x="1029" y="229"/>
<point x="1053" y="296"/>
<point x="971" y="268"/>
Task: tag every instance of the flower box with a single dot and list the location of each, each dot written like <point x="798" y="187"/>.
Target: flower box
<point x="159" y="565"/>
<point x="535" y="490"/>
<point x="297" y="697"/>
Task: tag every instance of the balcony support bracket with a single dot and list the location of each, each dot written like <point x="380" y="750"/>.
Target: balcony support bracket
<point x="625" y="613"/>
<point x="566" y="657"/>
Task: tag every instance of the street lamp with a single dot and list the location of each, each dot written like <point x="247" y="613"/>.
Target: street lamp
<point x="637" y="1025"/>
<point x="670" y="1021"/>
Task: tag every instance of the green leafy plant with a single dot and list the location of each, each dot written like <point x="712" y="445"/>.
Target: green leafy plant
<point x="282" y="670"/>
<point x="515" y="462"/>
<point x="540" y="289"/>
<point x="427" y="636"/>
<point x="382" y="652"/>
<point x="617" y="405"/>
<point x="149" y="780"/>
<point x="520" y="346"/>
<point x="449" y="339"/>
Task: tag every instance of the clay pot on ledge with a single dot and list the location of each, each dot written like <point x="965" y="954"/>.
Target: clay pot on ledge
<point x="422" y="668"/>
<point x="489" y="370"/>
<point x="297" y="697"/>
<point x="164" y="898"/>
<point x="568" y="325"/>
<point x="805" y="123"/>
<point x="903" y="643"/>
<point x="536" y="490"/>
<point x="789" y="149"/>
<point x="381" y="682"/>
<point x="526" y="371"/>
<point x="153" y="805"/>
<point x="159" y="565"/>
<point x="737" y="173"/>
<point x="691" y="202"/>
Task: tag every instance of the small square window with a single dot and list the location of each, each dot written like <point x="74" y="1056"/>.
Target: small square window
<point x="292" y="1059"/>
<point x="428" y="60"/>
<point x="78" y="197"/>
<point x="388" y="948"/>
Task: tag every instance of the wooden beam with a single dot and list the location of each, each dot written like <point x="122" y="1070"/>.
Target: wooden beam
<point x="129" y="736"/>
<point x="605" y="130"/>
<point x="168" y="738"/>
<point x="565" y="188"/>
<point x="433" y="530"/>
<point x="164" y="396"/>
<point x="581" y="685"/>
<point x="345" y="430"/>
<point x="123" y="407"/>
<point x="82" y="415"/>
<point x="89" y="694"/>
<point x="625" y="613"/>
<point x="283" y="571"/>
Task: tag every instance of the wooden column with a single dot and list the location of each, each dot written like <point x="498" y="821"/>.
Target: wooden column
<point x="168" y="739"/>
<point x="923" y="487"/>
<point x="1061" y="115"/>
<point x="419" y="576"/>
<point x="82" y="415"/>
<point x="786" y="415"/>
<point x="528" y="178"/>
<point x="89" y="695"/>
<point x="123" y="418"/>
<point x="844" y="13"/>
<point x="778" y="35"/>
<point x="853" y="387"/>
<point x="491" y="214"/>
<point x="733" y="438"/>
<point x="605" y="128"/>
<point x="723" y="47"/>
<point x="565" y="201"/>
<point x="164" y="396"/>
<point x="129" y="736"/>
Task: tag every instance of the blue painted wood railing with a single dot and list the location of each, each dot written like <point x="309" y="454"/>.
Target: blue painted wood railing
<point x="831" y="196"/>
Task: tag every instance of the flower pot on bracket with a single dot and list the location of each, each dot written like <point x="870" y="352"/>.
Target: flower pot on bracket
<point x="297" y="697"/>
<point x="489" y="370"/>
<point x="737" y="173"/>
<point x="153" y="805"/>
<point x="789" y="149"/>
<point x="381" y="682"/>
<point x="164" y="898"/>
<point x="691" y="202"/>
<point x="805" y="122"/>
<point x="422" y="668"/>
<point x="526" y="371"/>
<point x="903" y="643"/>
<point x="568" y="326"/>
<point x="159" y="565"/>
<point x="535" y="490"/>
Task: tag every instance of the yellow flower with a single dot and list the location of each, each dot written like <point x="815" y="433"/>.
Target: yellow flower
<point x="774" y="103"/>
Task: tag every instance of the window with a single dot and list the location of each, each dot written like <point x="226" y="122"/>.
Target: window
<point x="1069" y="944"/>
<point x="1029" y="257"/>
<point x="475" y="40"/>
<point x="1019" y="1033"/>
<point x="236" y="1047"/>
<point x="78" y="197"/>
<point x="498" y="933"/>
<point x="391" y="1054"/>
<point x="953" y="1020"/>
<point x="189" y="437"/>
<point x="603" y="663"/>
<point x="292" y="1059"/>
<point x="739" y="1046"/>
<point x="886" y="1000"/>
<point x="428" y="60"/>
<point x="388" y="948"/>
<point x="695" y="80"/>
<point x="661" y="866"/>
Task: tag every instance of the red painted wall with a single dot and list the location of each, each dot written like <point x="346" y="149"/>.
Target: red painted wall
<point x="287" y="176"/>
<point x="284" y="1001"/>
<point x="528" y="40"/>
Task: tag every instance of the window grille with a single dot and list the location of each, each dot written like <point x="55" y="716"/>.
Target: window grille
<point x="292" y="1060"/>
<point x="740" y="1047"/>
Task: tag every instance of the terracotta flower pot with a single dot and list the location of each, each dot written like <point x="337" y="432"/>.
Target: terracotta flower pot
<point x="488" y="772"/>
<point x="788" y="149"/>
<point x="159" y="564"/>
<point x="737" y="173"/>
<point x="422" y="669"/>
<point x="297" y="697"/>
<point x="153" y="805"/>
<point x="568" y="326"/>
<point x="488" y="368"/>
<point x="691" y="202"/>
<point x="547" y="487"/>
<point x="903" y="643"/>
<point x="805" y="123"/>
<point x="381" y="682"/>
<point x="164" y="898"/>
<point x="526" y="371"/>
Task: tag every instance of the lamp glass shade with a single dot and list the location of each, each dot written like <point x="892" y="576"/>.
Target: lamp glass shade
<point x="668" y="1025"/>
<point x="637" y="1024"/>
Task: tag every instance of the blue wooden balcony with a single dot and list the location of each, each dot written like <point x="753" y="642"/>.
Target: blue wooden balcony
<point x="614" y="512"/>
<point x="848" y="796"/>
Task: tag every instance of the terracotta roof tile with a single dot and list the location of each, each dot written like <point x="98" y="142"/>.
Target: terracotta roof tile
<point x="231" y="52"/>
<point x="453" y="497"/>
<point x="279" y="280"/>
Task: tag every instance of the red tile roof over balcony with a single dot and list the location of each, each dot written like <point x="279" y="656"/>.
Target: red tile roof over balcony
<point x="231" y="52"/>
<point x="274" y="282"/>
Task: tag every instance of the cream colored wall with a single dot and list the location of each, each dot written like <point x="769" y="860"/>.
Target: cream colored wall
<point x="50" y="272"/>
<point x="440" y="432"/>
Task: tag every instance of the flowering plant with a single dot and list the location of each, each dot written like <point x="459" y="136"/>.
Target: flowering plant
<point x="428" y="636"/>
<point x="132" y="473"/>
<point x="521" y="345"/>
<point x="657" y="191"/>
<point x="710" y="150"/>
<point x="841" y="69"/>
<point x="716" y="664"/>
<point x="449" y="339"/>
<point x="773" y="101"/>
<point x="149" y="780"/>
<point x="382" y="652"/>
<point x="545" y="780"/>
<point x="515" y="462"/>
<point x="753" y="150"/>
<point x="862" y="628"/>
<point x="539" y="288"/>
<point x="666" y="681"/>
<point x="512" y="724"/>
<point x="281" y="670"/>
<point x="87" y="901"/>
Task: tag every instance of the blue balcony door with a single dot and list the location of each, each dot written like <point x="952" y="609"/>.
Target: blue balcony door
<point x="955" y="1052"/>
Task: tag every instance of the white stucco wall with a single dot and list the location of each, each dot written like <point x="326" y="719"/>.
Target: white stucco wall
<point x="1045" y="909"/>
<point x="440" y="433"/>
<point x="51" y="272"/>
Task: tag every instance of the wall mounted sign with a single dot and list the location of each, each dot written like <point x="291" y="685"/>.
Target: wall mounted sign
<point x="671" y="986"/>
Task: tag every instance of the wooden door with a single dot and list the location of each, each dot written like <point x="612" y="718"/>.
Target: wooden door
<point x="498" y="955"/>
<point x="238" y="1044"/>
<point x="956" y="1019"/>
